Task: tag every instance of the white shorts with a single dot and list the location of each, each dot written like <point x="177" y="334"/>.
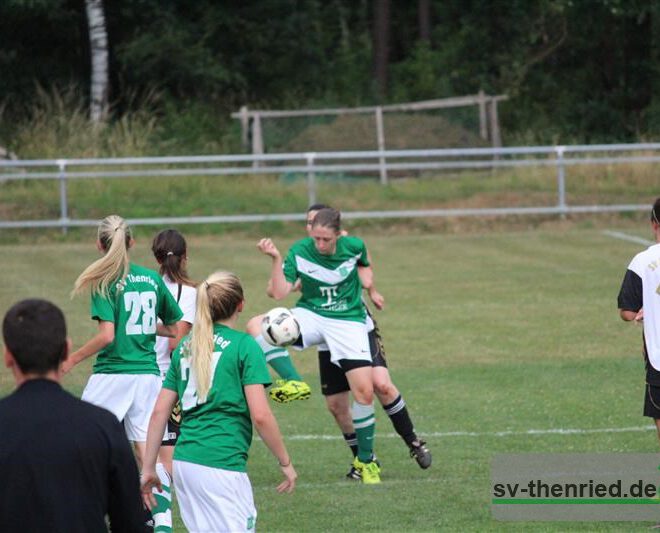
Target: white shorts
<point x="213" y="499"/>
<point x="370" y="326"/>
<point x="130" y="397"/>
<point x="345" y="339"/>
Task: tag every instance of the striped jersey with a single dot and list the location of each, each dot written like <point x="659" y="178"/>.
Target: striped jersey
<point x="330" y="285"/>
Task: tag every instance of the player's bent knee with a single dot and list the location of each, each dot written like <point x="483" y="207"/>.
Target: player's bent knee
<point x="385" y="388"/>
<point x="363" y="395"/>
<point x="338" y="410"/>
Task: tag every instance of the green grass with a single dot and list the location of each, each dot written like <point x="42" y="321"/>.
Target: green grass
<point x="484" y="332"/>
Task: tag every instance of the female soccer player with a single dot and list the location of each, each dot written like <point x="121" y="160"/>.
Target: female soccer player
<point x="170" y="251"/>
<point x="639" y="301"/>
<point x="335" y="387"/>
<point x="126" y="300"/>
<point x="218" y="374"/>
<point x="331" y="312"/>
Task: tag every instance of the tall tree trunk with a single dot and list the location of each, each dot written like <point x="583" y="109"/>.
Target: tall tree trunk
<point x="98" y="39"/>
<point x="424" y="20"/>
<point x="637" y="67"/>
<point x="381" y="44"/>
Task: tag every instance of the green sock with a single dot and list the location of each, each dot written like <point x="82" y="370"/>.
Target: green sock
<point x="283" y="365"/>
<point x="365" y="428"/>
<point x="162" y="512"/>
<point x="278" y="358"/>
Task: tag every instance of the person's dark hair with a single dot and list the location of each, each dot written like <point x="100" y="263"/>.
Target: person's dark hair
<point x="655" y="212"/>
<point x="169" y="249"/>
<point x="328" y="218"/>
<point x="317" y="207"/>
<point x="34" y="332"/>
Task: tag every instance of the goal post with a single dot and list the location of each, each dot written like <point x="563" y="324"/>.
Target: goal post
<point x="278" y="131"/>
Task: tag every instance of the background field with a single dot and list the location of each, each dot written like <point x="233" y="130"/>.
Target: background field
<point x="498" y="341"/>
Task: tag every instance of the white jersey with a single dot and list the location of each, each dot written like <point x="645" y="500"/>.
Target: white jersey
<point x="187" y="302"/>
<point x="645" y="265"/>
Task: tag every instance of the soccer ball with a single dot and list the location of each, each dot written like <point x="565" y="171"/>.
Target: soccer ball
<point x="279" y="327"/>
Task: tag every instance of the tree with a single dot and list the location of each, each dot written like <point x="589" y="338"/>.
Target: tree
<point x="424" y="20"/>
<point x="98" y="40"/>
<point x="381" y="38"/>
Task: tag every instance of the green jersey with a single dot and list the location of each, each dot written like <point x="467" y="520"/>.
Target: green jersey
<point x="218" y="432"/>
<point x="133" y="305"/>
<point x="330" y="285"/>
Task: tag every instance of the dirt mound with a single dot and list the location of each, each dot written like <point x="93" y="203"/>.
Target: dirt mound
<point x="402" y="131"/>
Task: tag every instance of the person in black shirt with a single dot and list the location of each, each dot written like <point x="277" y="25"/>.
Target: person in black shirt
<point x="639" y="301"/>
<point x="65" y="465"/>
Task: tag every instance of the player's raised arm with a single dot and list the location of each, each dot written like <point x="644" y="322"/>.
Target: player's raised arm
<point x="278" y="286"/>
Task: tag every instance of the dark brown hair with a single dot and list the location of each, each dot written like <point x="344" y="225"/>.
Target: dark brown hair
<point x="655" y="212"/>
<point x="34" y="332"/>
<point x="328" y="218"/>
<point x="169" y="249"/>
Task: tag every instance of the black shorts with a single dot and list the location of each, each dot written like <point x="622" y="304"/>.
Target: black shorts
<point x="173" y="426"/>
<point x="652" y="401"/>
<point x="333" y="378"/>
<point x="376" y="346"/>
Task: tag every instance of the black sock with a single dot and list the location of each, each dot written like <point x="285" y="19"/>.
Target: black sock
<point x="398" y="413"/>
<point x="148" y="520"/>
<point x="351" y="440"/>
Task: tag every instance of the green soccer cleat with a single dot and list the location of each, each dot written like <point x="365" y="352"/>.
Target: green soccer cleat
<point x="356" y="475"/>
<point x="369" y="472"/>
<point x="286" y="391"/>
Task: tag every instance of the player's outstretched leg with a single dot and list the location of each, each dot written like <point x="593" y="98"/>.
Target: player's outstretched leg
<point x="396" y="410"/>
<point x="398" y="414"/>
<point x="291" y="385"/>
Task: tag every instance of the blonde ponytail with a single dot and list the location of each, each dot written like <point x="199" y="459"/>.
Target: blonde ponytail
<point x="201" y="343"/>
<point x="114" y="237"/>
<point x="217" y="299"/>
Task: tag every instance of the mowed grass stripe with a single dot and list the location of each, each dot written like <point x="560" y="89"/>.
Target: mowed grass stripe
<point x="448" y="434"/>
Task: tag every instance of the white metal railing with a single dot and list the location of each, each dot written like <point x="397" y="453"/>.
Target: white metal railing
<point x="312" y="163"/>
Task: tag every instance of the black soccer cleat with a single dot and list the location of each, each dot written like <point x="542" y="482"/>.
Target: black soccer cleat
<point x="421" y="453"/>
<point x="354" y="474"/>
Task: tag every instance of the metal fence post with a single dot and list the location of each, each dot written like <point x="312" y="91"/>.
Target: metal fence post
<point x="64" y="208"/>
<point x="311" y="178"/>
<point x="561" y="180"/>
<point x="245" y="127"/>
<point x="483" y="118"/>
<point x="257" y="138"/>
<point x="380" y="133"/>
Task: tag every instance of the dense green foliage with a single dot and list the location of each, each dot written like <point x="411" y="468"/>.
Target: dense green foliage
<point x="575" y="70"/>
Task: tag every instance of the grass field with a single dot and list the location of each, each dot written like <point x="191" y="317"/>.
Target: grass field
<point x="497" y="341"/>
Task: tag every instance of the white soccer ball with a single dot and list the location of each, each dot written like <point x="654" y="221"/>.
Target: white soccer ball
<point x="279" y="327"/>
